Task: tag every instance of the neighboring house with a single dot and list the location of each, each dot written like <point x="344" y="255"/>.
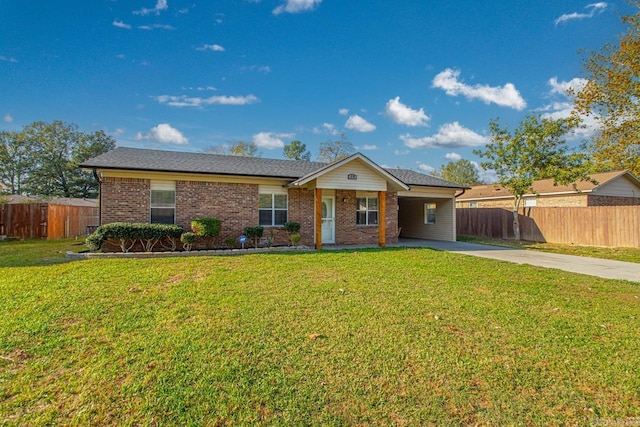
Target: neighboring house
<point x="352" y="201"/>
<point x="619" y="188"/>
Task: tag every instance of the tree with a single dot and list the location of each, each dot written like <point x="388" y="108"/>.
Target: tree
<point x="296" y="150"/>
<point x="536" y="150"/>
<point x="332" y="151"/>
<point x="240" y="148"/>
<point x="57" y="149"/>
<point x="611" y="96"/>
<point x="461" y="172"/>
<point x="16" y="161"/>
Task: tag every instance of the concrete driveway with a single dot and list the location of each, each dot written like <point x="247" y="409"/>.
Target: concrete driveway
<point x="591" y="266"/>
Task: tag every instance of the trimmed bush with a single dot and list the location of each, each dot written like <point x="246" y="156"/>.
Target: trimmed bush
<point x="126" y="234"/>
<point x="188" y="239"/>
<point x="254" y="233"/>
<point x="292" y="227"/>
<point x="295" y="239"/>
<point x="206" y="227"/>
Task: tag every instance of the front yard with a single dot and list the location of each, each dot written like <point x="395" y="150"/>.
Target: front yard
<point x="366" y="337"/>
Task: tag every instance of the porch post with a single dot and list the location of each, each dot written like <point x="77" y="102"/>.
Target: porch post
<point x="318" y="218"/>
<point x="382" y="218"/>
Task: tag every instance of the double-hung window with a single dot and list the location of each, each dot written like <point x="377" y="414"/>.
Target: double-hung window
<point x="272" y="209"/>
<point x="366" y="210"/>
<point x="163" y="202"/>
<point x="429" y="213"/>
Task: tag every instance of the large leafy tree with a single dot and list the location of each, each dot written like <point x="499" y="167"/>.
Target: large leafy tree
<point x="296" y="150"/>
<point x="461" y="172"/>
<point x="57" y="148"/>
<point x="332" y="151"/>
<point x="16" y="162"/>
<point x="611" y="95"/>
<point x="535" y="150"/>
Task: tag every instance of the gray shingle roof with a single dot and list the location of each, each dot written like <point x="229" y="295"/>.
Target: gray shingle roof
<point x="175" y="161"/>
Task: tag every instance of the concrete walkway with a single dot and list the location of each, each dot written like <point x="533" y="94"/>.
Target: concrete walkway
<point x="607" y="269"/>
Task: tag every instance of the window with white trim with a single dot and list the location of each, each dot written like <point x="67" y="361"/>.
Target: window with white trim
<point x="473" y="204"/>
<point x="163" y="202"/>
<point x="530" y="202"/>
<point x="273" y="209"/>
<point x="429" y="213"/>
<point x="367" y="210"/>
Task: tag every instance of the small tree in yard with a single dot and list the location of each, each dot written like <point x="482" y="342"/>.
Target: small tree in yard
<point x="254" y="234"/>
<point x="536" y="150"/>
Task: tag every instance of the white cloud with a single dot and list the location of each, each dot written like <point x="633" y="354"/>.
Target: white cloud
<point x="561" y="106"/>
<point x="454" y="157"/>
<point x="343" y="111"/>
<point x="296" y="6"/>
<point x="426" y="168"/>
<point x="404" y="115"/>
<point x="155" y="26"/>
<point x="401" y="152"/>
<point x="211" y="47"/>
<point x="185" y="101"/>
<point x="121" y="24"/>
<point x="7" y="59"/>
<point x="450" y="135"/>
<point x="8" y="118"/>
<point x="593" y="9"/>
<point x="368" y="147"/>
<point x="486" y="175"/>
<point x="505" y="96"/>
<point x="160" y="6"/>
<point x="359" y="124"/>
<point x="330" y="128"/>
<point x="562" y="88"/>
<point x="270" y="140"/>
<point x="164" y="134"/>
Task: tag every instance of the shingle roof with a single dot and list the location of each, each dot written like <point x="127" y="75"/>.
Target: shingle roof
<point x="175" y="161"/>
<point x="543" y="186"/>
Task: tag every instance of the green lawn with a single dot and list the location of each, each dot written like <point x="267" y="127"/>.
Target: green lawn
<point x="366" y="337"/>
<point x="618" y="254"/>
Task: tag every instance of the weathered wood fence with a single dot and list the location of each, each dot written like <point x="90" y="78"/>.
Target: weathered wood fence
<point x="614" y="226"/>
<point x="46" y="221"/>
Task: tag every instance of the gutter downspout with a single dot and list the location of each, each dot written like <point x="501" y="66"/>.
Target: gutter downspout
<point x="464" y="190"/>
<point x="97" y="177"/>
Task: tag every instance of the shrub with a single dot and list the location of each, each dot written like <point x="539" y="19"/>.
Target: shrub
<point x="295" y="239"/>
<point x="254" y="233"/>
<point x="292" y="227"/>
<point x="206" y="227"/>
<point x="188" y="239"/>
<point x="172" y="236"/>
<point x="128" y="233"/>
<point x="230" y="242"/>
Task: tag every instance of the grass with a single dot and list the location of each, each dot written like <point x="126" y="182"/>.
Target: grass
<point x="618" y="254"/>
<point x="367" y="337"/>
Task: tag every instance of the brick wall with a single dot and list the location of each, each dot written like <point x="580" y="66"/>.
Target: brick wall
<point x="594" y="200"/>
<point x="124" y="200"/>
<point x="301" y="209"/>
<point x="349" y="233"/>
<point x="235" y="204"/>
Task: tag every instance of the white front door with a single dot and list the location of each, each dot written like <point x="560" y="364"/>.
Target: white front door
<point x="328" y="220"/>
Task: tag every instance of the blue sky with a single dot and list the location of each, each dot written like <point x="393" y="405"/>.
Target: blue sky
<point x="411" y="83"/>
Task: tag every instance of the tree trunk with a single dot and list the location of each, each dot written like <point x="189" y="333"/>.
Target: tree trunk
<point x="516" y="225"/>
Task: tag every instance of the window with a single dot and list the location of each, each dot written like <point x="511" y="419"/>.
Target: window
<point x="163" y="202"/>
<point x="367" y="210"/>
<point x="429" y="213"/>
<point x="529" y="203"/>
<point x="473" y="204"/>
<point x="272" y="209"/>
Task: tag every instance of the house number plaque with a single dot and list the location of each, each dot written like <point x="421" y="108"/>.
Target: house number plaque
<point x="352" y="176"/>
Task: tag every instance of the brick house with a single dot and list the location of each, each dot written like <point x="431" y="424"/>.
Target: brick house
<point x="352" y="201"/>
<point x="618" y="188"/>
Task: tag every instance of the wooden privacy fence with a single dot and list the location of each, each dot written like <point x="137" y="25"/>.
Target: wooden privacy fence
<point x="615" y="226"/>
<point x="46" y="221"/>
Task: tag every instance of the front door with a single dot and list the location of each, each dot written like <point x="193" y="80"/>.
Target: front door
<point x="328" y="220"/>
